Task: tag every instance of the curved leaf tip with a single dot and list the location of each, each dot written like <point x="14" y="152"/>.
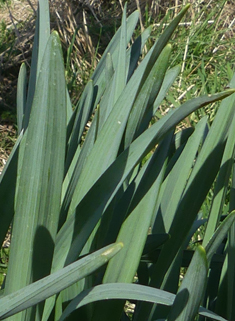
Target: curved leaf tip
<point x="113" y="250"/>
<point x="186" y="7"/>
<point x="201" y="250"/>
<point x="55" y="33"/>
<point x="55" y="38"/>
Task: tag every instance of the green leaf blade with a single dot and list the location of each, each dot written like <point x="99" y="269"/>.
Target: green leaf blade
<point x="40" y="181"/>
<point x="52" y="284"/>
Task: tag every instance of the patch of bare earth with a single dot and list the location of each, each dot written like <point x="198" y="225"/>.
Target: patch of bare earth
<point x="7" y="140"/>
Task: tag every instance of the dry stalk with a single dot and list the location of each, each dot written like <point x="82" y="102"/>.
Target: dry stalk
<point x="140" y="14"/>
<point x="229" y="27"/>
<point x="31" y="5"/>
<point x="185" y="92"/>
<point x="145" y="49"/>
<point x="121" y="5"/>
<point x="176" y="7"/>
<point x="185" y="24"/>
<point x="88" y="38"/>
<point x="184" y="60"/>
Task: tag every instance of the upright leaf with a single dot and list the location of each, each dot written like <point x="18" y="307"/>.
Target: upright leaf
<point x="21" y="96"/>
<point x="39" y="192"/>
<point x="42" y="33"/>
<point x="52" y="284"/>
<point x="221" y="186"/>
<point x="189" y="296"/>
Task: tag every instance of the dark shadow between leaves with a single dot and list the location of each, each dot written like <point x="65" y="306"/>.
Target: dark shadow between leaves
<point x="179" y="304"/>
<point x="42" y="257"/>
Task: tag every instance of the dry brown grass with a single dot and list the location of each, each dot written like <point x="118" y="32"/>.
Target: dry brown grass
<point x="7" y="140"/>
<point x="85" y="17"/>
<point x="67" y="16"/>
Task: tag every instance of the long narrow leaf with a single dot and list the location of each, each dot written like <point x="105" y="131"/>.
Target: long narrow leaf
<point x="39" y="193"/>
<point x="134" y="229"/>
<point x="8" y="181"/>
<point x="42" y="33"/>
<point x="189" y="296"/>
<point x="119" y="171"/>
<point x="174" y="185"/>
<point x="144" y="101"/>
<point x="21" y="96"/>
<point x="219" y="235"/>
<point x="221" y="185"/>
<point x="52" y="284"/>
<point x="129" y="292"/>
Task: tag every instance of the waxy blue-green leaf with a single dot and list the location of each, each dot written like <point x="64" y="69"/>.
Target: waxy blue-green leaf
<point x="98" y="172"/>
<point x="116" y="78"/>
<point x="180" y="138"/>
<point x="42" y="33"/>
<point x="138" y="217"/>
<point x="231" y="254"/>
<point x="69" y="107"/>
<point x="187" y="301"/>
<point x="231" y="272"/>
<point x="204" y="171"/>
<point x="107" y="144"/>
<point x="118" y="291"/>
<point x="128" y="292"/>
<point x="8" y="181"/>
<point x="174" y="184"/>
<point x="144" y="100"/>
<point x="135" y="227"/>
<point x="182" y="259"/>
<point x="98" y="76"/>
<point x="32" y="76"/>
<point x="54" y="283"/>
<point x="132" y="57"/>
<point x="168" y="81"/>
<point x="73" y="230"/>
<point x="135" y="50"/>
<point x="76" y="168"/>
<point x="44" y="30"/>
<point x="112" y="131"/>
<point x="219" y="236"/>
<point x="106" y="104"/>
<point x="120" y="72"/>
<point x="83" y="113"/>
<point x="221" y="186"/>
<point x="39" y="191"/>
<point x="68" y="189"/>
<point x="21" y="96"/>
<point x="220" y="283"/>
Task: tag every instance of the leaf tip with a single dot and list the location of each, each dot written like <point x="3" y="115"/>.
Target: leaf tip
<point x="113" y="249"/>
<point x="169" y="46"/>
<point x="202" y="252"/>
<point x="121" y="244"/>
<point x="187" y="7"/>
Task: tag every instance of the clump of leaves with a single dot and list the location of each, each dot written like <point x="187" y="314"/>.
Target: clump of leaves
<point x="89" y="214"/>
